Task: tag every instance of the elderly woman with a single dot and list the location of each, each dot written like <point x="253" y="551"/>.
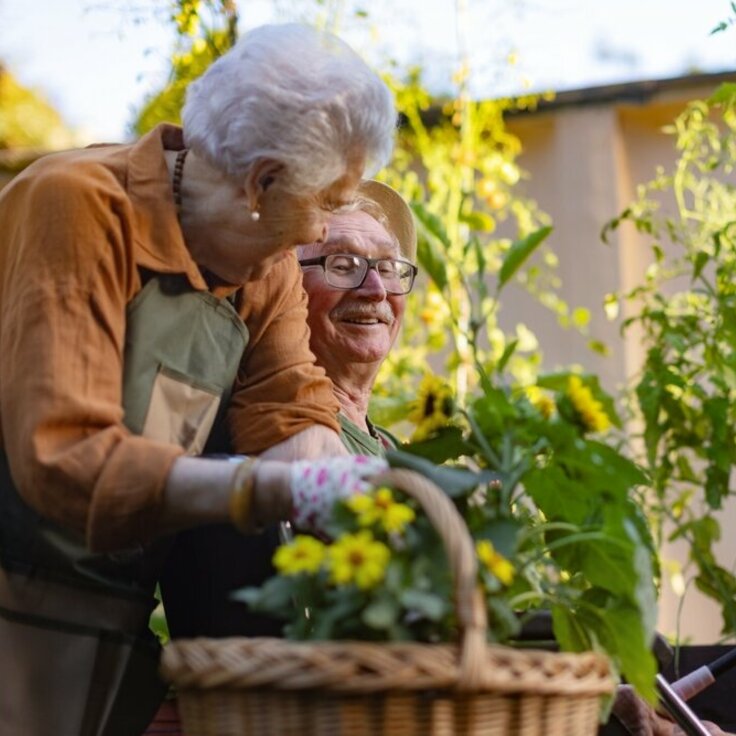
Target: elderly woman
<point x="150" y="312"/>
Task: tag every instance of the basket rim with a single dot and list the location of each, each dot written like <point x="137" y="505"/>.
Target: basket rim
<point x="354" y="667"/>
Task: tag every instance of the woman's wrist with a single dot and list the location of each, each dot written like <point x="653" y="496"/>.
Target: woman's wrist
<point x="272" y="499"/>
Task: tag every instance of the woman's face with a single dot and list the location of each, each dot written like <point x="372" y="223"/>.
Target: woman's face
<point x="225" y="240"/>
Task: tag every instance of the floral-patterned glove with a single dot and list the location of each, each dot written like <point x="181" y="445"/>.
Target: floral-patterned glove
<point x="317" y="484"/>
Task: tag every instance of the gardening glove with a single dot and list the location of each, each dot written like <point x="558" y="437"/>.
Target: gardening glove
<point x="317" y="484"/>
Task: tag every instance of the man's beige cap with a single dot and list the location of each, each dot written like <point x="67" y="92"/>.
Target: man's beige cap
<point x="400" y="218"/>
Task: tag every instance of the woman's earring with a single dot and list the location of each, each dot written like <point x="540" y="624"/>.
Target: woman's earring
<point x="255" y="215"/>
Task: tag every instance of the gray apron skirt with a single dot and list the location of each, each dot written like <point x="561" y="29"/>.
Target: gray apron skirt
<point x="76" y="655"/>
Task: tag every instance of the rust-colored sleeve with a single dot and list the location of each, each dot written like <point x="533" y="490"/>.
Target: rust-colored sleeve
<point x="279" y="391"/>
<point x="67" y="272"/>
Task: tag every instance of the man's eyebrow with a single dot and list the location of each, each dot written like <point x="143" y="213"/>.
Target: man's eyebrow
<point x="345" y="242"/>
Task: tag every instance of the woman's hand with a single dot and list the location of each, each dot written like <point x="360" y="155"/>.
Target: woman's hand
<point x="316" y="485"/>
<point x="201" y="491"/>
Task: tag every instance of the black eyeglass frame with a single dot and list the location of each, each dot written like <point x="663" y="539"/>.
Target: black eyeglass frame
<point x="371" y="264"/>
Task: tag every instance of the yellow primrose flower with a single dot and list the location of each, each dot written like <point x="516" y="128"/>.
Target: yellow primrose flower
<point x="303" y="554"/>
<point x="494" y="562"/>
<point x="358" y="558"/>
<point x="541" y="401"/>
<point x="591" y="412"/>
<point x="433" y="407"/>
<point x="380" y="507"/>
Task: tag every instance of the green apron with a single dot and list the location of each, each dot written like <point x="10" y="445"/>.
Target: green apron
<point x="76" y="655"/>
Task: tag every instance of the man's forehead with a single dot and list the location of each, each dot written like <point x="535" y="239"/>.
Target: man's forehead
<point x="357" y="229"/>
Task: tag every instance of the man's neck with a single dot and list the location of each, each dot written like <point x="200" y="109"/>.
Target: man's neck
<point x="353" y="400"/>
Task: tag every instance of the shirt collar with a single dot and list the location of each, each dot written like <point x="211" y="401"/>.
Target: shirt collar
<point x="159" y="241"/>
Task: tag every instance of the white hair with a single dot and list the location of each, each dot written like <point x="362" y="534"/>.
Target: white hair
<point x="295" y="95"/>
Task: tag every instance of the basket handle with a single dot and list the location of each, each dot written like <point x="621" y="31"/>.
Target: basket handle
<point x="458" y="544"/>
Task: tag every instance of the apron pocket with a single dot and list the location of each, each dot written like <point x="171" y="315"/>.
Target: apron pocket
<point x="182" y="411"/>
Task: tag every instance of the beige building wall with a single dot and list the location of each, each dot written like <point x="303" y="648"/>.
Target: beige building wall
<point x="585" y="153"/>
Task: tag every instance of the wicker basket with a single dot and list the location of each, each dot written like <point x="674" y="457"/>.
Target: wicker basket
<point x="274" y="687"/>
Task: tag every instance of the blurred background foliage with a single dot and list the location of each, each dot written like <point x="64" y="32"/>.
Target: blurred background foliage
<point x="27" y="119"/>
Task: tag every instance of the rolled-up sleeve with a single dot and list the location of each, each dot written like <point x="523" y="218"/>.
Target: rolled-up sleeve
<point x="279" y="390"/>
<point x="67" y="273"/>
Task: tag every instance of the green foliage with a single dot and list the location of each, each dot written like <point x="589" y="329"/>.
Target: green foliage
<point x="548" y="504"/>
<point x="27" y="120"/>
<point x="206" y="29"/>
<point x="724" y="24"/>
<point x="456" y="162"/>
<point x="685" y="312"/>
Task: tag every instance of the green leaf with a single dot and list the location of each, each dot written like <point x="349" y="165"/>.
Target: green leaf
<point x="446" y="444"/>
<point x="519" y="251"/>
<point x="570" y="633"/>
<point x="429" y="605"/>
<point x="432" y="245"/>
<point x="454" y="481"/>
<point x="699" y="263"/>
<point x="479" y="221"/>
<point x="275" y="596"/>
<point x="381" y="614"/>
<point x="725" y="92"/>
<point x="507" y="353"/>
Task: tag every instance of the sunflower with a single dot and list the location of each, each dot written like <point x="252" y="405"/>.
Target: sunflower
<point x="590" y="411"/>
<point x="541" y="401"/>
<point x="433" y="408"/>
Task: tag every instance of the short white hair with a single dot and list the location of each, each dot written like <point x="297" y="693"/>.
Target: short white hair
<point x="295" y="95"/>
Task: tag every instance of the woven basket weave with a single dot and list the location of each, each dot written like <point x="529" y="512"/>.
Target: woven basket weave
<point x="274" y="687"/>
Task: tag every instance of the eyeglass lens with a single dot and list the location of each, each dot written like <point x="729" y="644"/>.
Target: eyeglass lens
<point x="349" y="272"/>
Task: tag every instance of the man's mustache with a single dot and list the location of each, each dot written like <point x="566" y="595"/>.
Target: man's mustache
<point x="381" y="311"/>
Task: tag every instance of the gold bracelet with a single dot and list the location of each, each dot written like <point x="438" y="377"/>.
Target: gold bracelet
<point x="241" y="495"/>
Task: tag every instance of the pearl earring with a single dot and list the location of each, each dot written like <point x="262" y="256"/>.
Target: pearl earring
<point x="255" y="215"/>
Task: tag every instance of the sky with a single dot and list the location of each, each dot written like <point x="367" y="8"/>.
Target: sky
<point x="96" y="60"/>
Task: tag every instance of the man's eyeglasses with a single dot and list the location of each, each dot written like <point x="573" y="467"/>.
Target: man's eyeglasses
<point x="348" y="271"/>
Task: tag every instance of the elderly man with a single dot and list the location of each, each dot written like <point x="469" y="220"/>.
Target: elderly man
<point x="357" y="281"/>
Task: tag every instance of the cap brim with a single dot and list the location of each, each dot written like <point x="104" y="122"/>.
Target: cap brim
<point x="398" y="213"/>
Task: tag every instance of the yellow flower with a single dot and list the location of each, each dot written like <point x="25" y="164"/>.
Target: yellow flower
<point x="358" y="558"/>
<point x="303" y="554"/>
<point x="495" y="563"/>
<point x="435" y="310"/>
<point x="380" y="507"/>
<point x="591" y="412"/>
<point x="433" y="408"/>
<point x="541" y="401"/>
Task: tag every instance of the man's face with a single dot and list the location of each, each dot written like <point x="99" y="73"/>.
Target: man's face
<point x="356" y="325"/>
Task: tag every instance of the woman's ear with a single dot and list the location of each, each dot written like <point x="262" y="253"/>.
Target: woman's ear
<point x="263" y="173"/>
